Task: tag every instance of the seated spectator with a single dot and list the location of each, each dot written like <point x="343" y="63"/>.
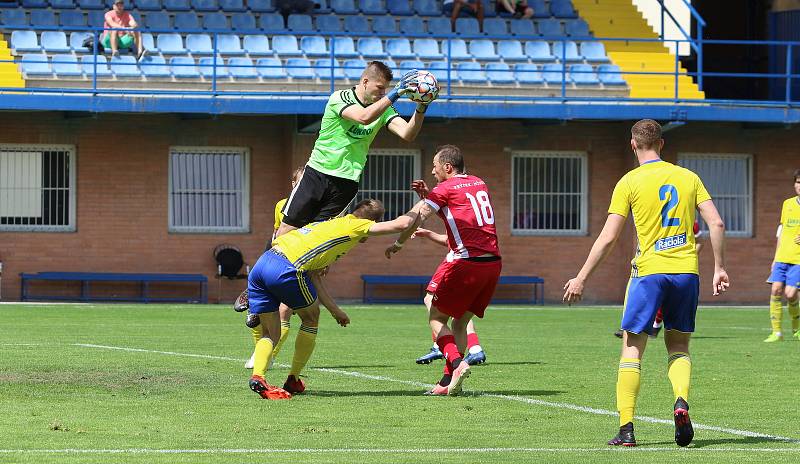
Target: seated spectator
<point x="287" y="7"/>
<point x="453" y="8"/>
<point x="518" y="8"/>
<point x="118" y="18"/>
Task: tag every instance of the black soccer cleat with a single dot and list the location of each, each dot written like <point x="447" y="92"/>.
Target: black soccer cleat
<point x="252" y="321"/>
<point x="618" y="333"/>
<point x="624" y="437"/>
<point x="242" y="303"/>
<point x="684" y="433"/>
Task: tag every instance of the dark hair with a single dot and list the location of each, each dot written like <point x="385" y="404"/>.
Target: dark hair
<point x="451" y="154"/>
<point x="796" y="174"/>
<point x="646" y="133"/>
<point x="377" y="68"/>
<point x="369" y="209"/>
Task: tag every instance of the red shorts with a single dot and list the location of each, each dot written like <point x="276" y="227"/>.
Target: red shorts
<point x="460" y="286"/>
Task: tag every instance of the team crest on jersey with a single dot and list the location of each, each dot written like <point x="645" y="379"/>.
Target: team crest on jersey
<point x="673" y="241"/>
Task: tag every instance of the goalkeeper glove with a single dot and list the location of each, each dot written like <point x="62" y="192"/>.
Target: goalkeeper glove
<point x="404" y="86"/>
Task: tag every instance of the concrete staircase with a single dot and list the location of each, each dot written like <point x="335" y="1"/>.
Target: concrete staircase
<point x="620" y="18"/>
<point x="9" y="73"/>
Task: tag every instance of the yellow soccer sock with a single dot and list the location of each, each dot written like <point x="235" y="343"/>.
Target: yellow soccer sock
<point x="679" y="371"/>
<point x="256" y="332"/>
<point x="263" y="352"/>
<point x="628" y="379"/>
<point x="775" y="313"/>
<point x="285" y="326"/>
<point x="794" y="313"/>
<point x="303" y="347"/>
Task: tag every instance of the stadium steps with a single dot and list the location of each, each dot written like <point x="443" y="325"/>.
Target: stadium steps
<point x="621" y="18"/>
<point x="9" y="73"/>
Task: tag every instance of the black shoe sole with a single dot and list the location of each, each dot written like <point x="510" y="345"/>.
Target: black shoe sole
<point x="684" y="432"/>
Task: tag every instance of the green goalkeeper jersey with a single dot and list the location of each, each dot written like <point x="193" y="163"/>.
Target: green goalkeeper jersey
<point x="342" y="146"/>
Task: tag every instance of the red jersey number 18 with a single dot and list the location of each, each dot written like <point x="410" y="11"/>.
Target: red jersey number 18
<point x="482" y="207"/>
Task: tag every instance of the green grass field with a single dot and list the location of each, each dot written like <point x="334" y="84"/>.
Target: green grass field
<point x="163" y="383"/>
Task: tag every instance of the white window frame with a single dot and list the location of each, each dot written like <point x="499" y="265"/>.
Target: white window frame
<point x="748" y="232"/>
<point x="378" y="152"/>
<point x="584" y="194"/>
<point x="73" y="187"/>
<point x="245" y="206"/>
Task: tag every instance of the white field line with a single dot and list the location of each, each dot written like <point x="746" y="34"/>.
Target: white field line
<point x="521" y="399"/>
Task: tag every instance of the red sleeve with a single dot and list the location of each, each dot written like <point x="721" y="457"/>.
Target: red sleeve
<point x="438" y="196"/>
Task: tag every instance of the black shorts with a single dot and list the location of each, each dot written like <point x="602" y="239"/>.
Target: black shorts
<point x="318" y="197"/>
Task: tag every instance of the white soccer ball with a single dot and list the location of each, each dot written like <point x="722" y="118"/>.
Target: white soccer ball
<point x="426" y="88"/>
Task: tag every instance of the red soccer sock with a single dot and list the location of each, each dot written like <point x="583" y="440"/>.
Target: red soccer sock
<point x="447" y="345"/>
<point x="659" y="317"/>
<point x="472" y="340"/>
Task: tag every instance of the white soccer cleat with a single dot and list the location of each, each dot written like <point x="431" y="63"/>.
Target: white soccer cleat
<point x="250" y="362"/>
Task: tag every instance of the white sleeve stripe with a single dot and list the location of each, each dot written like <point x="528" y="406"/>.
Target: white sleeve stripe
<point x="780" y="229"/>
<point x="432" y="205"/>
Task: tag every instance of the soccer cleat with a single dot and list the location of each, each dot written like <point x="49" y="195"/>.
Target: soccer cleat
<point x="431" y="356"/>
<point x="252" y="321"/>
<point x="250" y="362"/>
<point x="683" y="425"/>
<point x="294" y="385"/>
<point x="437" y="390"/>
<point x="267" y="391"/>
<point x="618" y="333"/>
<point x="459" y="375"/>
<point x="774" y="337"/>
<point x="475" y="358"/>
<point x="624" y="437"/>
<point x="242" y="302"/>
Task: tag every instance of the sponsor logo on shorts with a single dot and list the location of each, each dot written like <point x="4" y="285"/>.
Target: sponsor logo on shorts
<point x="673" y="241"/>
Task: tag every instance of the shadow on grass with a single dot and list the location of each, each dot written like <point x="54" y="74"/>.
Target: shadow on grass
<point x="701" y="443"/>
<point x="701" y="337"/>
<point x="509" y="363"/>
<point x="412" y="391"/>
<point x="358" y="366"/>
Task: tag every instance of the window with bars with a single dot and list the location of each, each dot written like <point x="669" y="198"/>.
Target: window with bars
<point x="209" y="189"/>
<point x="729" y="180"/>
<point x="387" y="177"/>
<point x="37" y="187"/>
<point x="549" y="193"/>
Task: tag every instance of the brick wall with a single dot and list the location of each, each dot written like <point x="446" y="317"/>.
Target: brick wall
<point x="122" y="167"/>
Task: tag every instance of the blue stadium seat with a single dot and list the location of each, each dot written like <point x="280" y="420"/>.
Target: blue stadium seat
<point x="91" y="5"/>
<point x="511" y="50"/>
<point x="440" y="25"/>
<point x="177" y="5"/>
<point x="329" y="23"/>
<point x="170" y="44"/>
<point x="96" y="18"/>
<point x="88" y="66"/>
<point x="186" y="21"/>
<point x="440" y="70"/>
<point x="399" y="7"/>
<point x="410" y="65"/>
<point x="526" y="73"/>
<point x="243" y="68"/>
<point x="562" y="9"/>
<point x="183" y="67"/>
<point x="257" y="45"/>
<point x="499" y="73"/>
<point x="300" y="68"/>
<point x="215" y="22"/>
<point x="427" y="49"/>
<point x="149" y="43"/>
<point x="399" y="48"/>
<point x="344" y="47"/>
<point x="389" y="63"/>
<point x="496" y="27"/>
<point x="322" y="68"/>
<point x="14" y="17"/>
<point x="243" y="22"/>
<point x="229" y="44"/>
<point x="384" y="25"/>
<point x="72" y="18"/>
<point x="157" y="21"/>
<point x="483" y="50"/>
<point x="62" y="4"/>
<point x="35" y="64"/>
<point x="371" y="47"/>
<point x="66" y="65"/>
<point x="205" y="5"/>
<point x="356" y="25"/>
<point x="270" y="68"/>
<point x="34" y="4"/>
<point x="523" y="27"/>
<point x="467" y="26"/>
<point x="321" y="7"/>
<point x="154" y="66"/>
<point x="199" y="44"/>
<point x="539" y="50"/>
<point x="271" y="22"/>
<point x="550" y="28"/>
<point x="372" y="7"/>
<point x="583" y="74"/>
<point x="54" y="42"/>
<point x="577" y="29"/>
<point x="553" y="74"/>
<point x="457" y="50"/>
<point x="300" y="23"/>
<point x="470" y="71"/>
<point x="540" y="8"/>
<point x="125" y="66"/>
<point x="610" y="74"/>
<point x="286" y="45"/>
<point x="427" y="8"/>
<point x="25" y="41"/>
<point x="147" y="5"/>
<point x="567" y="51"/>
<point x="594" y="52"/>
<point x="208" y="68"/>
<point x="232" y="6"/>
<point x="412" y="25"/>
<point x="344" y="7"/>
<point x="76" y="40"/>
<point x="354" y="68"/>
<point x="43" y="18"/>
<point x="261" y="6"/>
<point x="314" y="46"/>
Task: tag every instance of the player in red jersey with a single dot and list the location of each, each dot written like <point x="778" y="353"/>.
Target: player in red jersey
<point x="465" y="281"/>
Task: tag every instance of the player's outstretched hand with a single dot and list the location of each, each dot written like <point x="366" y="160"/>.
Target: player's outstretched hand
<point x="341" y="317"/>
<point x="573" y="290"/>
<point x="721" y="282"/>
<point x="422" y="233"/>
<point x="391" y="250"/>
<point x="421" y="188"/>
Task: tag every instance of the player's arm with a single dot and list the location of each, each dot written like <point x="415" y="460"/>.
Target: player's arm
<point x="325" y="298"/>
<point x="394" y="226"/>
<point x="408" y="130"/>
<point x="439" y="239"/>
<point x="421" y="212"/>
<point x="601" y="248"/>
<point x="716" y="233"/>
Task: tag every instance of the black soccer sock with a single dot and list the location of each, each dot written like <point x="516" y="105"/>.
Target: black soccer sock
<point x="446" y="378"/>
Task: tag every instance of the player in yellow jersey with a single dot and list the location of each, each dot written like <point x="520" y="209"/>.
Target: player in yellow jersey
<point x="284" y="274"/>
<point x="785" y="276"/>
<point x="662" y="198"/>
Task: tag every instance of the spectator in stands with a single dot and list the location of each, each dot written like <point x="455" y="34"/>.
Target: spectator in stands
<point x="518" y="8"/>
<point x="454" y="7"/>
<point x="287" y="7"/>
<point x="118" y="18"/>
